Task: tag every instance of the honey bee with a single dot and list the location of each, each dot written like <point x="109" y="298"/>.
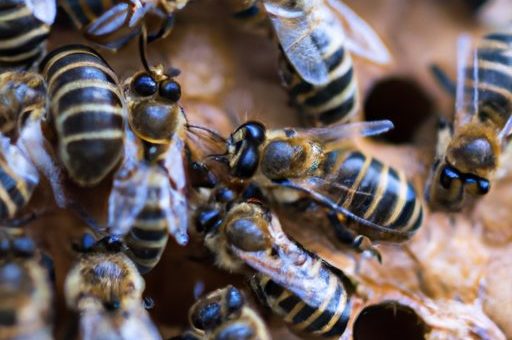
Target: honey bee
<point x="358" y="192"/>
<point x="148" y="198"/>
<point x="224" y="314"/>
<point x="24" y="29"/>
<point x="468" y="153"/>
<point x="105" y="289"/>
<point x="86" y="112"/>
<point x="25" y="290"/>
<point x="316" y="39"/>
<point x="113" y="23"/>
<point x="22" y="103"/>
<point x="309" y="294"/>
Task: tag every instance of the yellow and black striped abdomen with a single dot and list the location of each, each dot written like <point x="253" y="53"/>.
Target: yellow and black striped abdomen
<point x="86" y="106"/>
<point x="494" y="86"/>
<point x="376" y="192"/>
<point x="148" y="236"/>
<point x="83" y="12"/>
<point x="326" y="317"/>
<point x="15" y="190"/>
<point x="326" y="104"/>
<point x="22" y="35"/>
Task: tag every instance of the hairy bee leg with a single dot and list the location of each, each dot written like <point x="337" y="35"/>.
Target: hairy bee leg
<point x="360" y="243"/>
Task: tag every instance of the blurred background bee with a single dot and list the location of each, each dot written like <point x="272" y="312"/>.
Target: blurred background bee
<point x="24" y="29"/>
<point x="361" y="195"/>
<point x="22" y="105"/>
<point x="494" y="13"/>
<point x="86" y="112"/>
<point x="25" y="289"/>
<point x="105" y="289"/>
<point x="148" y="198"/>
<point x="224" y="314"/>
<point x="309" y="294"/>
<point x="316" y="39"/>
<point x="113" y="23"/>
<point x="469" y="151"/>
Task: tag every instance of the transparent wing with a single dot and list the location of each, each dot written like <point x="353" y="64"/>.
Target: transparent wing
<point x="293" y="27"/>
<point x="346" y="131"/>
<point x="17" y="161"/>
<point x="327" y="193"/>
<point x="174" y="164"/>
<point x="362" y="40"/>
<point x="289" y="266"/>
<point x="44" y="10"/>
<point x="112" y="29"/>
<point x="466" y="97"/>
<point x="129" y="188"/>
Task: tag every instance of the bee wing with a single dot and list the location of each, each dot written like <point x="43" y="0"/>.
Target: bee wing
<point x="362" y="40"/>
<point x="112" y="29"/>
<point x="129" y="188"/>
<point x="44" y="10"/>
<point x="466" y="95"/>
<point x="19" y="162"/>
<point x="174" y="164"/>
<point x="327" y="193"/>
<point x="346" y="131"/>
<point x="293" y="29"/>
<point x="289" y="266"/>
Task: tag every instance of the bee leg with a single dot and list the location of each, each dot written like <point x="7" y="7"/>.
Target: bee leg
<point x="360" y="243"/>
<point x="443" y="80"/>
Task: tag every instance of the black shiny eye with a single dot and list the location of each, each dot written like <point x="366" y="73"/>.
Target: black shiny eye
<point x="483" y="186"/>
<point x="208" y="220"/>
<point x="235" y="299"/>
<point x="247" y="162"/>
<point x="88" y="241"/>
<point x="224" y="195"/>
<point x="170" y="89"/>
<point x="112" y="305"/>
<point x="448" y="174"/>
<point x="144" y="85"/>
<point x="207" y="317"/>
<point x="254" y="131"/>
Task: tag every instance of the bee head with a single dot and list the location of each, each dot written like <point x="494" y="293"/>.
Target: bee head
<point x="243" y="149"/>
<point x="474" y="151"/>
<point x="218" y="306"/>
<point x="246" y="227"/>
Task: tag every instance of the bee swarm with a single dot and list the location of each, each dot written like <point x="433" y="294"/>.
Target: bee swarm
<point x="451" y="281"/>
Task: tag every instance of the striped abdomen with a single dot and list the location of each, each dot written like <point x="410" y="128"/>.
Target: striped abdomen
<point x="326" y="104"/>
<point x="83" y="12"/>
<point x="376" y="192"/>
<point x="25" y="292"/>
<point x="22" y="35"/>
<point x="326" y="317"/>
<point x="86" y="107"/>
<point x="16" y="186"/>
<point x="494" y="87"/>
<point x="148" y="236"/>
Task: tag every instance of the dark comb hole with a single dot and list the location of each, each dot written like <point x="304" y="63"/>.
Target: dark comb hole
<point x="404" y="102"/>
<point x="389" y="320"/>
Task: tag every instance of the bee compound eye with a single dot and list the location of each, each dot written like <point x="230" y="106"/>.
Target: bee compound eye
<point x="207" y="220"/>
<point x="206" y="316"/>
<point x="144" y="85"/>
<point x="448" y="174"/>
<point x="483" y="186"/>
<point x="87" y="242"/>
<point x="255" y="132"/>
<point x="234" y="299"/>
<point x="170" y="89"/>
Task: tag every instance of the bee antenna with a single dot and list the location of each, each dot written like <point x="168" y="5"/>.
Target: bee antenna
<point x="143" y="42"/>
<point x="210" y="132"/>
